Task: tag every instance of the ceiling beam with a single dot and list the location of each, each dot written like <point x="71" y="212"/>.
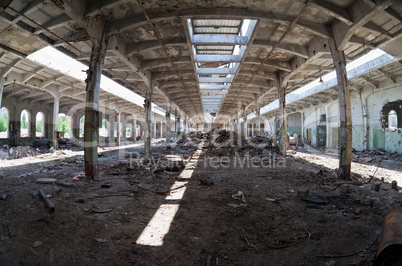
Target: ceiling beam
<point x="218" y="13"/>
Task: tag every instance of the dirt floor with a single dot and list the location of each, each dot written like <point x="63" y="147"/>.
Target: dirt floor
<point x="228" y="206"/>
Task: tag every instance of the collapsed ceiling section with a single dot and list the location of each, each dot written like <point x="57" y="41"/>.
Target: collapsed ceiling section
<point x="218" y="47"/>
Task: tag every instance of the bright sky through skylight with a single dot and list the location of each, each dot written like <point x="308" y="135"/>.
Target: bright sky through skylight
<point x="358" y="62"/>
<point x="58" y="61"/>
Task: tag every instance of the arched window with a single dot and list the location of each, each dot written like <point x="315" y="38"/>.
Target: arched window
<point x="392" y="120"/>
<point x="25" y="124"/>
<point x="3" y="123"/>
<point x="40" y="121"/>
<point x="128" y="131"/>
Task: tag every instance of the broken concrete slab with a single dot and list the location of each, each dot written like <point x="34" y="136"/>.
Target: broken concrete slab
<point x="316" y="199"/>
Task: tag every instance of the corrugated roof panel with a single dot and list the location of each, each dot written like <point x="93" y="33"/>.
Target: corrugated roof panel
<point x="215" y="52"/>
<point x="217" y="22"/>
<point x="215" y="47"/>
<point x="216" y="30"/>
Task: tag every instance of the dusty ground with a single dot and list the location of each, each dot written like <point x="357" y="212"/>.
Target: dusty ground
<point x="121" y="218"/>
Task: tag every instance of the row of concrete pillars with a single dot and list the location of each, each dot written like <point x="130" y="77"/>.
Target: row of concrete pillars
<point x="345" y="132"/>
<point x="92" y="99"/>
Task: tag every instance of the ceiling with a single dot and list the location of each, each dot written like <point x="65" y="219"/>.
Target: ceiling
<point x="288" y="46"/>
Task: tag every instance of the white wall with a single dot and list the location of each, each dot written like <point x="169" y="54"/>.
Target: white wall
<point x="367" y="133"/>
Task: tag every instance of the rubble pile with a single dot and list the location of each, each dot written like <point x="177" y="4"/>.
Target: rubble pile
<point x="18" y="152"/>
<point x="226" y="143"/>
<point x="224" y="136"/>
<point x="197" y="137"/>
<point x="374" y="156"/>
<point x="264" y="140"/>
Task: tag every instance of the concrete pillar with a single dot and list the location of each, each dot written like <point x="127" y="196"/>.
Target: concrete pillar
<point x="258" y="117"/>
<point x="161" y="130"/>
<point x="91" y="126"/>
<point x="112" y="120"/>
<point x="154" y="130"/>
<point x="185" y="125"/>
<point x="252" y="129"/>
<point x="327" y="144"/>
<point x="76" y="126"/>
<point x="237" y="123"/>
<point x="47" y="127"/>
<point x="363" y="102"/>
<point x="32" y="126"/>
<point x="282" y="119"/>
<point x="302" y="126"/>
<point x="14" y="126"/>
<point x="178" y="124"/>
<point x="345" y="111"/>
<point x="55" y="123"/>
<point x="123" y="127"/>
<point x="2" y="79"/>
<point x="118" y="129"/>
<point x="168" y="125"/>
<point x="135" y="129"/>
<point x="245" y="121"/>
<point x="148" y="115"/>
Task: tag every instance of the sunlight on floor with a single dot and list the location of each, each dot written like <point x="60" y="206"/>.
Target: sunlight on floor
<point x="331" y="161"/>
<point x="62" y="154"/>
<point x="159" y="226"/>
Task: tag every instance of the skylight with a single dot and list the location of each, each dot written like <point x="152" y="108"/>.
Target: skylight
<point x="54" y="59"/>
<point x="218" y="47"/>
<point x="355" y="63"/>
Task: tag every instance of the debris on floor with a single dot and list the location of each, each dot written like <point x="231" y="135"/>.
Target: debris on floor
<point x="297" y="214"/>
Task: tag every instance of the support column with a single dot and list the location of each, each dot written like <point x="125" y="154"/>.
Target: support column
<point x="91" y="126"/>
<point x="252" y="129"/>
<point x="47" y="126"/>
<point x="2" y="79"/>
<point x="32" y="126"/>
<point x="154" y="131"/>
<point x="55" y="123"/>
<point x="345" y="112"/>
<point x="302" y="126"/>
<point x="178" y="125"/>
<point x="185" y="125"/>
<point x="118" y="129"/>
<point x="237" y="123"/>
<point x="123" y="128"/>
<point x="282" y="119"/>
<point x="148" y="126"/>
<point x="364" y="118"/>
<point x="135" y="130"/>
<point x="76" y="126"/>
<point x="245" y="122"/>
<point x="14" y="126"/>
<point x="258" y="117"/>
<point x="168" y="121"/>
<point x="112" y="120"/>
<point x="327" y="127"/>
<point x="161" y="130"/>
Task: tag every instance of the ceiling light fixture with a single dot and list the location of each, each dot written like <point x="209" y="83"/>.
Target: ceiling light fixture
<point x="320" y="81"/>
